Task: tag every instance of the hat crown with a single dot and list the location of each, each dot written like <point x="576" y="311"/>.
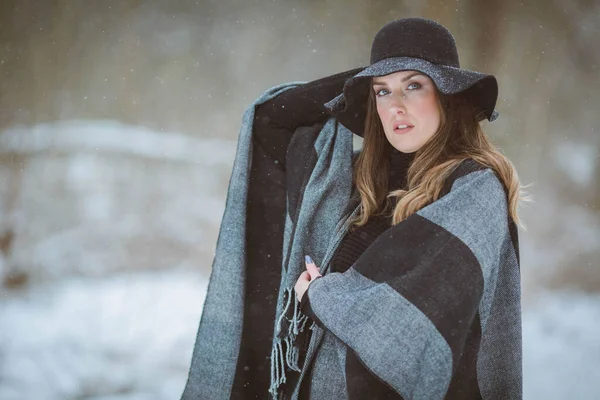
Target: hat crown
<point x="415" y="37"/>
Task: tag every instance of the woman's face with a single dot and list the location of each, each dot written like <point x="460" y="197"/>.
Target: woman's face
<point x="407" y="105"/>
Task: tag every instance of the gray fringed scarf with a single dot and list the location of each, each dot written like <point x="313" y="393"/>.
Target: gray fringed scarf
<point x="431" y="308"/>
<point x="324" y="199"/>
<point x="327" y="192"/>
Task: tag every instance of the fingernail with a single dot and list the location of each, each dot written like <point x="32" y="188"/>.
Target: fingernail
<point x="308" y="260"/>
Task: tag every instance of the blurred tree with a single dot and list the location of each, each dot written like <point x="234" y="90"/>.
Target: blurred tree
<point x="486" y="24"/>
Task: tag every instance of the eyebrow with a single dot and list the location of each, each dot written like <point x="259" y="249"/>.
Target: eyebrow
<point x="403" y="79"/>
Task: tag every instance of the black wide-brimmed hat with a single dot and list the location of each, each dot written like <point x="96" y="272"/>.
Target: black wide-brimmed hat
<point x="416" y="44"/>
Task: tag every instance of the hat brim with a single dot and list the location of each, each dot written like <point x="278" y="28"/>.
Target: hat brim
<point x="350" y="107"/>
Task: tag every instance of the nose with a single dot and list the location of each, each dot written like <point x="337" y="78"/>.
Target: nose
<point x="398" y="105"/>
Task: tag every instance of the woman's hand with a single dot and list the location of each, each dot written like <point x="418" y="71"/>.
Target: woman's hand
<point x="312" y="272"/>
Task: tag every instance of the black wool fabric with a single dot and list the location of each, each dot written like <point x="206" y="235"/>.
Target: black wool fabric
<point x="267" y="176"/>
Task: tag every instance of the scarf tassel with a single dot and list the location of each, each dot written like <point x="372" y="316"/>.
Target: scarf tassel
<point x="292" y="351"/>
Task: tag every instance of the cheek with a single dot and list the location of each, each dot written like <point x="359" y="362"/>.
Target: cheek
<point x="382" y="111"/>
<point x="428" y="109"/>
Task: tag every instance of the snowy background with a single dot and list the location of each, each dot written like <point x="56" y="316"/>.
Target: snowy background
<point x="118" y="128"/>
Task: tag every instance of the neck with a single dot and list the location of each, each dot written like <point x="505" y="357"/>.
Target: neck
<point x="399" y="163"/>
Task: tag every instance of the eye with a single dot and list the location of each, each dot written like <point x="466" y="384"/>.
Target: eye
<point x="379" y="91"/>
<point x="414" y="86"/>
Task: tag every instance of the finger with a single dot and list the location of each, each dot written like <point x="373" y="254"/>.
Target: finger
<point x="302" y="280"/>
<point x="301" y="285"/>
<point x="305" y="276"/>
<point x="312" y="269"/>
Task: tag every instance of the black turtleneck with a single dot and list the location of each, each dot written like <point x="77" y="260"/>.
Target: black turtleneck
<point x="357" y="240"/>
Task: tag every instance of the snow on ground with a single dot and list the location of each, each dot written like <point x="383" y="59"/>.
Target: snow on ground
<point x="561" y="347"/>
<point x="125" y="337"/>
<point x="130" y="337"/>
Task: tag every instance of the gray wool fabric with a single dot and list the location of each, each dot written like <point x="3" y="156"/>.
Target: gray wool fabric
<point x="431" y="308"/>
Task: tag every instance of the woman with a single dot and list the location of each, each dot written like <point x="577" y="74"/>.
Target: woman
<point x="415" y="288"/>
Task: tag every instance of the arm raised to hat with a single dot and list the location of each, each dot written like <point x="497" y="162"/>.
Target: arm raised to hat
<point x="277" y="120"/>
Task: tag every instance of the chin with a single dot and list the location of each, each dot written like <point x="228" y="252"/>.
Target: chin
<point x="406" y="149"/>
<point x="404" y="145"/>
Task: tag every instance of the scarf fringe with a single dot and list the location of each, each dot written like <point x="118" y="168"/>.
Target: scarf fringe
<point x="292" y="350"/>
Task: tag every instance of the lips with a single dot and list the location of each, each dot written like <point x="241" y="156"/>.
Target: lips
<point x="402" y="126"/>
<point x="400" y="123"/>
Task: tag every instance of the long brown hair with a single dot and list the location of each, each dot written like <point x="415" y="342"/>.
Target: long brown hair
<point x="459" y="137"/>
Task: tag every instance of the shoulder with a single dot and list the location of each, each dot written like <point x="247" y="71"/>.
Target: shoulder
<point x="475" y="204"/>
<point x="475" y="186"/>
<point x="470" y="174"/>
<point x="466" y="167"/>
